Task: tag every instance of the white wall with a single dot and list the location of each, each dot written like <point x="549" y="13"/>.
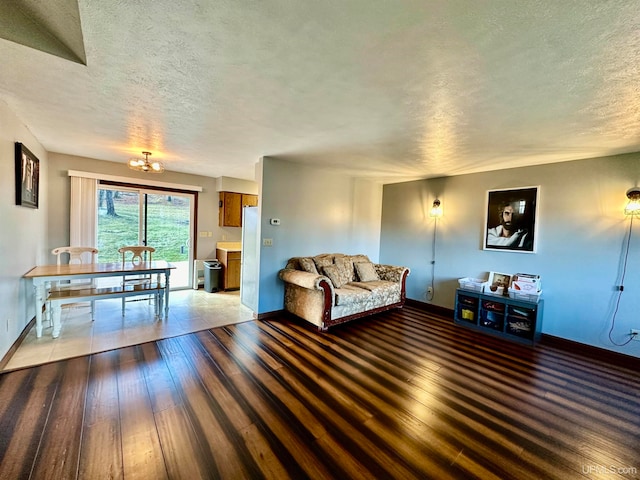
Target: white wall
<point x="23" y="232"/>
<point x="238" y="185"/>
<point x="320" y="212"/>
<point x="581" y="234"/>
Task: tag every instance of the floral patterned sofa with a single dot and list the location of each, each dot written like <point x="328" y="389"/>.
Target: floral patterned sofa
<point x="329" y="289"/>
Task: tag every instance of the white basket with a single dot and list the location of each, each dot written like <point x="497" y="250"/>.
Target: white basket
<point x="526" y="296"/>
<point x="472" y="284"/>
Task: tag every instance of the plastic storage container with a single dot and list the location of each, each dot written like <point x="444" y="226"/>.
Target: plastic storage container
<point x="532" y="296"/>
<point x="472" y="284"/>
<point x="212" y="271"/>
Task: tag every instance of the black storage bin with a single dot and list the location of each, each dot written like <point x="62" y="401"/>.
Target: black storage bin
<point x="212" y="271"/>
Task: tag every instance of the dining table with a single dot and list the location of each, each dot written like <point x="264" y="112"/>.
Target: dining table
<point x="44" y="275"/>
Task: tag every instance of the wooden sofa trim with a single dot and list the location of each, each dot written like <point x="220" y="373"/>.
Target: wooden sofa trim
<point x="329" y="322"/>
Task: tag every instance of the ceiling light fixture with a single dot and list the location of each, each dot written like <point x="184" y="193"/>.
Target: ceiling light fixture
<point x="633" y="207"/>
<point x="144" y="165"/>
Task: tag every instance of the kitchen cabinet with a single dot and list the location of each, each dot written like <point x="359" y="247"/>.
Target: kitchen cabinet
<point x="231" y="267"/>
<point x="230" y="207"/>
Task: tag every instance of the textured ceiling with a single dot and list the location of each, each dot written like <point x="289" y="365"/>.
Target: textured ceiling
<point x="391" y="89"/>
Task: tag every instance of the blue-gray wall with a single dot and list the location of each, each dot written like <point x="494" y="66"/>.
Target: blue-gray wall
<point x="581" y="234"/>
<point x="320" y="212"/>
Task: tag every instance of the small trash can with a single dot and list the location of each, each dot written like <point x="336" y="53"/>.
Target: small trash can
<point x="212" y="270"/>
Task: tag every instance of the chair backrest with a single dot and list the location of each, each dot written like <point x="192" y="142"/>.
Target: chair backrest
<point x="139" y="254"/>
<point x="76" y="254"/>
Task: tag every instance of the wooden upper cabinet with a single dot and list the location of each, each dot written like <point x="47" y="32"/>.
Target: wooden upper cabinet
<point x="231" y="204"/>
<point x="249" y="200"/>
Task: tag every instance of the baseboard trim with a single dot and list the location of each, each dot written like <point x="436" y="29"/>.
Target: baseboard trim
<point x="596" y="353"/>
<point x="431" y="308"/>
<point x="268" y="315"/>
<point x="17" y="343"/>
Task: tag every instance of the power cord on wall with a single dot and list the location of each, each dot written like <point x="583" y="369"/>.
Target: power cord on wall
<point x="621" y="288"/>
<point x="431" y="290"/>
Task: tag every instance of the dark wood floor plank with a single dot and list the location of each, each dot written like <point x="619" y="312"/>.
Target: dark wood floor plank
<point x="220" y="455"/>
<point x="396" y="430"/>
<point x="163" y="392"/>
<point x="101" y="451"/>
<point x="281" y="346"/>
<point x="10" y="385"/>
<point x="182" y="450"/>
<point x="544" y="407"/>
<point x="486" y="412"/>
<point x="588" y="391"/>
<point x="60" y="445"/>
<point x="402" y="394"/>
<point x="236" y="414"/>
<point x="24" y="415"/>
<point x="240" y="449"/>
<point x="251" y="361"/>
<point x="541" y="408"/>
<point x="360" y="464"/>
<point x="269" y="463"/>
<point x="142" y="454"/>
<point x="337" y="411"/>
<point x="286" y="429"/>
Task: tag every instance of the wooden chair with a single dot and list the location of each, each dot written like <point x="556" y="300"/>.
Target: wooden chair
<point x="136" y="254"/>
<point x="77" y="255"/>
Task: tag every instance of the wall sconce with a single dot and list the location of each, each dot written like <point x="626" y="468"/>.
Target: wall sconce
<point x="633" y="207"/>
<point x="436" y="209"/>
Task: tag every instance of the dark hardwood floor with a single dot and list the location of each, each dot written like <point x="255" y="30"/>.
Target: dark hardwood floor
<point x="404" y="394"/>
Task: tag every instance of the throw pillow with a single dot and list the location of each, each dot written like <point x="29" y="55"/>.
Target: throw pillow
<point x="307" y="265"/>
<point x="333" y="272"/>
<point x="366" y="272"/>
<point x="359" y="258"/>
<point x="322" y="261"/>
<point x="345" y="266"/>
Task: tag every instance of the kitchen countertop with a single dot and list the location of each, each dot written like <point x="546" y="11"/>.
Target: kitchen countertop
<point x="229" y="246"/>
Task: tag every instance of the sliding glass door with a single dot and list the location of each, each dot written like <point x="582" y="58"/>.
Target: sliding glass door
<point x="156" y="218"/>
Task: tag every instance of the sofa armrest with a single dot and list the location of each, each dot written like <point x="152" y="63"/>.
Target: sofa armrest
<point x="303" y="279"/>
<point x="308" y="295"/>
<point x="391" y="273"/>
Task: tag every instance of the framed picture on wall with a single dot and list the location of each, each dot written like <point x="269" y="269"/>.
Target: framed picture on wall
<point x="511" y="219"/>
<point x="27" y="177"/>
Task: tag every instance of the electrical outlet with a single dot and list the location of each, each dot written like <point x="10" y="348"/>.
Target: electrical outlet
<point x="429" y="290"/>
<point x="267" y="242"/>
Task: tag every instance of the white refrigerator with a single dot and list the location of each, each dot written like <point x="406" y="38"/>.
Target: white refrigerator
<point x="250" y="267"/>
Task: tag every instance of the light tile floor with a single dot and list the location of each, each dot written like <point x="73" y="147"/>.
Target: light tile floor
<point x="190" y="311"/>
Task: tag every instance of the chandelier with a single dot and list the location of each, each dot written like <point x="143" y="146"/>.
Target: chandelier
<point x="144" y="165"/>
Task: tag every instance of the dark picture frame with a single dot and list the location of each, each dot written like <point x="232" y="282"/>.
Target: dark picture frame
<point x="512" y="219"/>
<point x="27" y="177"/>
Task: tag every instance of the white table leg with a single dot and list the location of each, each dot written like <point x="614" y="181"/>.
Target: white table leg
<point x="39" y="299"/>
<point x="56" y="309"/>
<point x="167" y="274"/>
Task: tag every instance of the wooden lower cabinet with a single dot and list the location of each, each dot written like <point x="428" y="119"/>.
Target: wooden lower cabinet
<point x="230" y="261"/>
